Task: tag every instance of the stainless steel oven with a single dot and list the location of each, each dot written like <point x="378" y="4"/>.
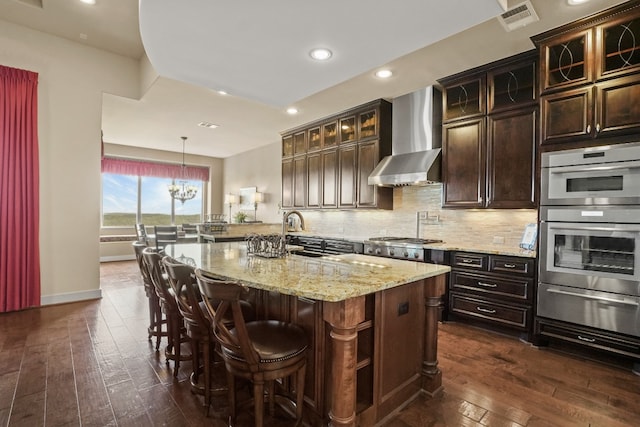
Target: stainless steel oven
<point x="589" y="249"/>
<point x="606" y="175"/>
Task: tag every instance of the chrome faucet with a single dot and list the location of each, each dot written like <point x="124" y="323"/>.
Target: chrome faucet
<point x="285" y="217"/>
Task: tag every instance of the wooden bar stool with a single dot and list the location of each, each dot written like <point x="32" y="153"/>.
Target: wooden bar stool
<point x="260" y="351"/>
<point x="156" y="318"/>
<point x="176" y="333"/>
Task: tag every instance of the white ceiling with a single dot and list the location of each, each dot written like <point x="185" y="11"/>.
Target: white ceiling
<point x="182" y="42"/>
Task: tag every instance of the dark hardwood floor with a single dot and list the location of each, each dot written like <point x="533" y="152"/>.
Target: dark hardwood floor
<point x="91" y="364"/>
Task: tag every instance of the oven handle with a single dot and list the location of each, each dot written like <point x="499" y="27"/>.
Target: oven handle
<point x="561" y="227"/>
<point x="573" y="294"/>
<point x="570" y="169"/>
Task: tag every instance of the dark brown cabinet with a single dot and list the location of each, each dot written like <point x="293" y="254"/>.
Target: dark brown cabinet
<point x="590" y="77"/>
<point x="489" y="161"/>
<point x="492" y="290"/>
<point x="340" y="153"/>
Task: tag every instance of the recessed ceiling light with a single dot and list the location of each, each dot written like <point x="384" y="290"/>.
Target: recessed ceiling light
<point x="207" y="125"/>
<point x="88" y="1"/>
<point x="221" y="92"/>
<point x="292" y="110"/>
<point x="83" y="36"/>
<point x="384" y="74"/>
<point x="320" y="54"/>
<point x="576" y="2"/>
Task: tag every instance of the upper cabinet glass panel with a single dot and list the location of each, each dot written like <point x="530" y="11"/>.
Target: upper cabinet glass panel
<point x="299" y="143"/>
<point x="330" y="135"/>
<point x="620" y="47"/>
<point x="368" y="122"/>
<point x="511" y="87"/>
<point x="287" y="146"/>
<point x="464" y="99"/>
<point x="348" y="129"/>
<point x="567" y="61"/>
<point x="314" y="139"/>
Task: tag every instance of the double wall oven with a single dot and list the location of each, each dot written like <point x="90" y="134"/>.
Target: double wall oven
<point x="589" y="253"/>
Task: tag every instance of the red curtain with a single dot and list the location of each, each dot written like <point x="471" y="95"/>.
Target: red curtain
<point x="159" y="170"/>
<point x="19" y="190"/>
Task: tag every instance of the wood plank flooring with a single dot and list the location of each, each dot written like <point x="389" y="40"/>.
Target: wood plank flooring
<point x="90" y="363"/>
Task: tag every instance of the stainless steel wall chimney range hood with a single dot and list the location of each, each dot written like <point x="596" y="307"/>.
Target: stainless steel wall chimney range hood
<point x="416" y="141"/>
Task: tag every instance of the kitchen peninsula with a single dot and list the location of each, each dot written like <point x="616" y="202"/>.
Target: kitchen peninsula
<point x="371" y="322"/>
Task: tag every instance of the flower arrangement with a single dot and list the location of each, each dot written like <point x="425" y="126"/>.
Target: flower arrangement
<point x="240" y="217"/>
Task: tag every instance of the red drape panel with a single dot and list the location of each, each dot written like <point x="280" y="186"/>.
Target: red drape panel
<point x="19" y="190"/>
<point x="160" y="170"/>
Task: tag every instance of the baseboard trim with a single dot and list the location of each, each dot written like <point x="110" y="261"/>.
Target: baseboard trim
<point x="117" y="258"/>
<point x="70" y="297"/>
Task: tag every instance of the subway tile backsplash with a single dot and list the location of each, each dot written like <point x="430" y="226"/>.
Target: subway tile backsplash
<point x="500" y="227"/>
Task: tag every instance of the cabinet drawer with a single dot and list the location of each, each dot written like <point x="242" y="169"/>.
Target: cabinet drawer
<point x="491" y="286"/>
<point x="511" y="265"/>
<point x="507" y="315"/>
<point x="589" y="337"/>
<point x="465" y="260"/>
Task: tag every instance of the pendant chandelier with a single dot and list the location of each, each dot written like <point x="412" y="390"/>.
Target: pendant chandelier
<point x="181" y="189"/>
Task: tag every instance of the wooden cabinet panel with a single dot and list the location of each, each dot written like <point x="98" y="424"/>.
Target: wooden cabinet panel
<point x="314" y="138"/>
<point x="463" y="164"/>
<point x="567" y="115"/>
<point x="347" y="164"/>
<point x="299" y="181"/>
<point x="367" y="160"/>
<point x="368" y="124"/>
<point x="618" y="50"/>
<point x="511" y="147"/>
<point x="287" y="183"/>
<point x="299" y="142"/>
<point x="491" y="287"/>
<point x="347" y="129"/>
<point x="618" y="109"/>
<point x="329" y="179"/>
<point x="511" y="86"/>
<point x="287" y="146"/>
<point x="314" y="180"/>
<point x="507" y="315"/>
<point x="330" y="134"/>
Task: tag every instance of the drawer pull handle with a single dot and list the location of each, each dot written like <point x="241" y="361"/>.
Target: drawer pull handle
<point x="488" y="285"/>
<point x="467" y="261"/>
<point x="484" y="310"/>
<point x="586" y="339"/>
<point x="509" y="265"/>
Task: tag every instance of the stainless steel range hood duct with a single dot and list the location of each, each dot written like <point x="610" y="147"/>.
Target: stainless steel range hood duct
<point x="416" y="141"/>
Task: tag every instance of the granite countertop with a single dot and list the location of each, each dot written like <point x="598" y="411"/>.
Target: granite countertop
<point x="329" y="278"/>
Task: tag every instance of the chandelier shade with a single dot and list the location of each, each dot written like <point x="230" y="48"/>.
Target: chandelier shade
<point x="181" y="189"/>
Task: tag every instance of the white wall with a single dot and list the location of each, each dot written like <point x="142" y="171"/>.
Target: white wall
<point x="258" y="168"/>
<point x="72" y="78"/>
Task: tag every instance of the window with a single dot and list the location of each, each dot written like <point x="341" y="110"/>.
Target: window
<point x="120" y="194"/>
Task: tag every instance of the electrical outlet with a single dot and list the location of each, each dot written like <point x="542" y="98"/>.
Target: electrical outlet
<point x="423" y="215"/>
<point x="403" y="308"/>
<point x="498" y="240"/>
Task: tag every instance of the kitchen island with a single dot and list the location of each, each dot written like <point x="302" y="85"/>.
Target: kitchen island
<point x="371" y="322"/>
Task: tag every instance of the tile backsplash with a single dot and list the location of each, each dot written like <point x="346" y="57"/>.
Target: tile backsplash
<point x="500" y="227"/>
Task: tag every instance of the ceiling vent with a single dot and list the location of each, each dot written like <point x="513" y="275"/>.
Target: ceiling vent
<point x="518" y="16"/>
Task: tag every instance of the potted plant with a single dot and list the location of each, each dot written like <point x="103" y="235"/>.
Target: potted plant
<point x="240" y="217"/>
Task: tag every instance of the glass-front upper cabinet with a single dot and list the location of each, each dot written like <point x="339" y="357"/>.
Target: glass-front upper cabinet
<point x="512" y="86"/>
<point x="464" y="99"/>
<point x="368" y="124"/>
<point x="287" y="146"/>
<point x="566" y="61"/>
<point x="330" y="134"/>
<point x="347" y="129"/>
<point x="315" y="142"/>
<point x="619" y="49"/>
<point x="299" y="143"/>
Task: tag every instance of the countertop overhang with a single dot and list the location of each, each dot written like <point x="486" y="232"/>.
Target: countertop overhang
<point x="329" y="278"/>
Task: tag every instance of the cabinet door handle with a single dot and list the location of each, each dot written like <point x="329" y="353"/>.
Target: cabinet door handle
<point x="488" y="285"/>
<point x="588" y="128"/>
<point x="586" y="339"/>
<point x="509" y="265"/>
<point x="597" y="127"/>
<point x="484" y="310"/>
<point x="467" y="261"/>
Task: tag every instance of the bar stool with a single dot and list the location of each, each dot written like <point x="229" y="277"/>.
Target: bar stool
<point x="156" y="319"/>
<point x="175" y="328"/>
<point x="260" y="351"/>
<point x="196" y="320"/>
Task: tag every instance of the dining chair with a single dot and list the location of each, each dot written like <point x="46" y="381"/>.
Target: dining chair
<point x="165" y="235"/>
<point x="141" y="233"/>
<point x="261" y="351"/>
